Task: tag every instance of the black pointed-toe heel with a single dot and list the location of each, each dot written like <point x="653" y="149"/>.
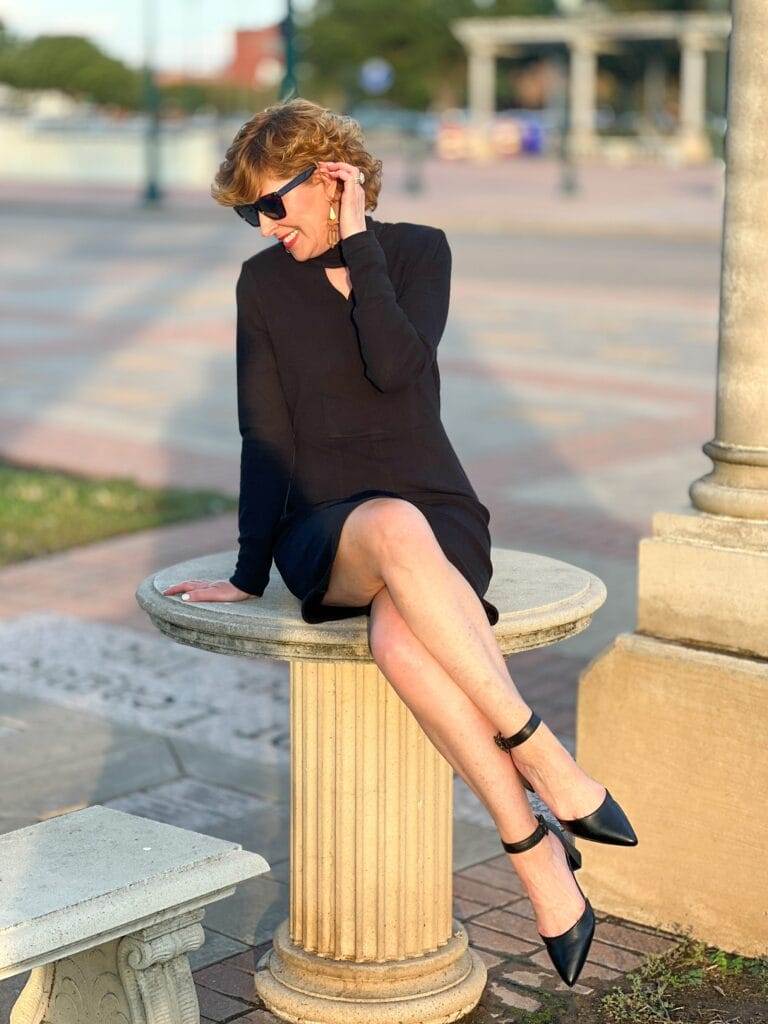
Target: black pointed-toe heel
<point x="569" y="950"/>
<point x="606" y="824"/>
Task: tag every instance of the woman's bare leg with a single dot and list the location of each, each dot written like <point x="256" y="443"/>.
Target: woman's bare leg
<point x="388" y="541"/>
<point x="464" y="736"/>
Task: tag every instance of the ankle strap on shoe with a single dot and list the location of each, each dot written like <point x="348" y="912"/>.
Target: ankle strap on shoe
<point x="507" y="742"/>
<point x="525" y="844"/>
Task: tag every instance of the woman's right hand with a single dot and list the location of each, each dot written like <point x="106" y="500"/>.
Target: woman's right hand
<point x="207" y="590"/>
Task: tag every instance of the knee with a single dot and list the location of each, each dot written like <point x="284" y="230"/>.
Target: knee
<point x="399" y="526"/>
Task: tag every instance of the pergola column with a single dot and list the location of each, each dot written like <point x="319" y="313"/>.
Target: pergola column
<point x="738" y="483"/>
<point x="693" y="91"/>
<point x="583" y="90"/>
<point x="482" y="93"/>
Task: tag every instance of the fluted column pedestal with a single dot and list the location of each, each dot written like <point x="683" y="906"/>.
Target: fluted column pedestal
<point x="371" y="862"/>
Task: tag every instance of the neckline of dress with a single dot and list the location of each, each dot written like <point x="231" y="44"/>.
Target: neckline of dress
<point x="331" y="257"/>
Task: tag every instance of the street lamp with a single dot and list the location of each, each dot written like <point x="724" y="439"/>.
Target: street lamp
<point x="289" y="87"/>
<point x="152" y="191"/>
<point x="569" y="182"/>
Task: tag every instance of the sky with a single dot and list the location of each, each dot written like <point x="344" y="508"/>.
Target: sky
<point x="192" y="35"/>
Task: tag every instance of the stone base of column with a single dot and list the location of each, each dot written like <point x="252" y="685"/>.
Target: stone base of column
<point x="677" y="734"/>
<point x="434" y="988"/>
<point x="738" y="483"/>
<point x="703" y="580"/>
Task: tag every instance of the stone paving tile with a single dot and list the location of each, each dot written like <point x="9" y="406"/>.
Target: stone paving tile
<point x="488" y="958"/>
<point x="494" y="877"/>
<point x="247" y="960"/>
<point x="512" y="997"/>
<point x="481" y="892"/>
<point x="217" y="1007"/>
<point x="215" y="948"/>
<point x="260" y="1017"/>
<point x="547" y="980"/>
<point x="615" y="957"/>
<point x="228" y="980"/>
<point x="463" y="909"/>
<point x="10" y="990"/>
<point x="499" y="942"/>
<point x="252" y="913"/>
<point x="510" y="924"/>
<point x="591" y="970"/>
<point x="633" y="938"/>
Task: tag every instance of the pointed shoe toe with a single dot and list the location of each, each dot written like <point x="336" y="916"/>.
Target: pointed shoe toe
<point x="568" y="952"/>
<point x="607" y="824"/>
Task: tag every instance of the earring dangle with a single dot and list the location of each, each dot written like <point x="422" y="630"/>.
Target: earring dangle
<point x="333" y="227"/>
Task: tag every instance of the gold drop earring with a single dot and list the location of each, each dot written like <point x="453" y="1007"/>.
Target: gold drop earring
<point x="333" y="226"/>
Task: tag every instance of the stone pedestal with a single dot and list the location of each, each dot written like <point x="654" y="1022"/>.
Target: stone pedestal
<point x="680" y="732"/>
<point x="370" y="937"/>
<point x="703" y="581"/>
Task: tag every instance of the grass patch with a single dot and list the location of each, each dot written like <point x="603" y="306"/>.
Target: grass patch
<point x="43" y="511"/>
<point x="691" y="982"/>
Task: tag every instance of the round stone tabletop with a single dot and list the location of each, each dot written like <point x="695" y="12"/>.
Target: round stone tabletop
<point x="540" y="600"/>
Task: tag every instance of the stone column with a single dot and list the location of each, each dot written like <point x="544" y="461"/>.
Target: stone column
<point x="694" y="144"/>
<point x="682" y="703"/>
<point x="738" y="483"/>
<point x="370" y="921"/>
<point x="654" y="93"/>
<point x="482" y="95"/>
<point x="583" y="84"/>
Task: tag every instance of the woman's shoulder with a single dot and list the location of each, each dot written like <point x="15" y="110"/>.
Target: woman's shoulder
<point x="407" y="236"/>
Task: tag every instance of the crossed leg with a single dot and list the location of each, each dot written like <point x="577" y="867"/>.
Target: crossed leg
<point x="449" y="671"/>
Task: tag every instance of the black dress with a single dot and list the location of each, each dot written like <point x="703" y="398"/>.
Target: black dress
<point x="339" y="402"/>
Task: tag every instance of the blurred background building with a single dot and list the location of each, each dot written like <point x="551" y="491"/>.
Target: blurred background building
<point x="622" y="81"/>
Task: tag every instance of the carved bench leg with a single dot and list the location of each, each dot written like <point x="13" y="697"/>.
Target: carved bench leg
<point x="141" y="978"/>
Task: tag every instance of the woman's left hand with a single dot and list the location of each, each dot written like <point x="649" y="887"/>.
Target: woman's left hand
<point x="352" y="212"/>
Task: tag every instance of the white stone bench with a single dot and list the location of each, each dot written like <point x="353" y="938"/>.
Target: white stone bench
<point x="103" y="907"/>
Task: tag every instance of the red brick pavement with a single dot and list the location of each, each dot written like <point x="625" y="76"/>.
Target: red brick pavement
<point x="98" y="582"/>
<point x="489" y="901"/>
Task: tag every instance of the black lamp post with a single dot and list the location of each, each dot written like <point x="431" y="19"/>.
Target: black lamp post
<point x="289" y="86"/>
<point x="569" y="182"/>
<point x="152" y="191"/>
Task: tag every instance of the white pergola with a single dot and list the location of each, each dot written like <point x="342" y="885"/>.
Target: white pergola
<point x="486" y="39"/>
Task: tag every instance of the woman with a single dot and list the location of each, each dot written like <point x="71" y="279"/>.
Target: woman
<point x="349" y="481"/>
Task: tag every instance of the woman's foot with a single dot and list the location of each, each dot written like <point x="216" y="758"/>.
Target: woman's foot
<point x="550" y="885"/>
<point x="556" y="777"/>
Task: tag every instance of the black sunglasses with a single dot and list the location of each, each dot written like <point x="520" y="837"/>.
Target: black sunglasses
<point x="271" y="204"/>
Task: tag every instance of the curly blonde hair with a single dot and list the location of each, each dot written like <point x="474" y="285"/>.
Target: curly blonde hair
<point x="285" y="138"/>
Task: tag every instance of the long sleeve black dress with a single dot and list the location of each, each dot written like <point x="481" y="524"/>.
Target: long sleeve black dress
<point x="339" y="402"/>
